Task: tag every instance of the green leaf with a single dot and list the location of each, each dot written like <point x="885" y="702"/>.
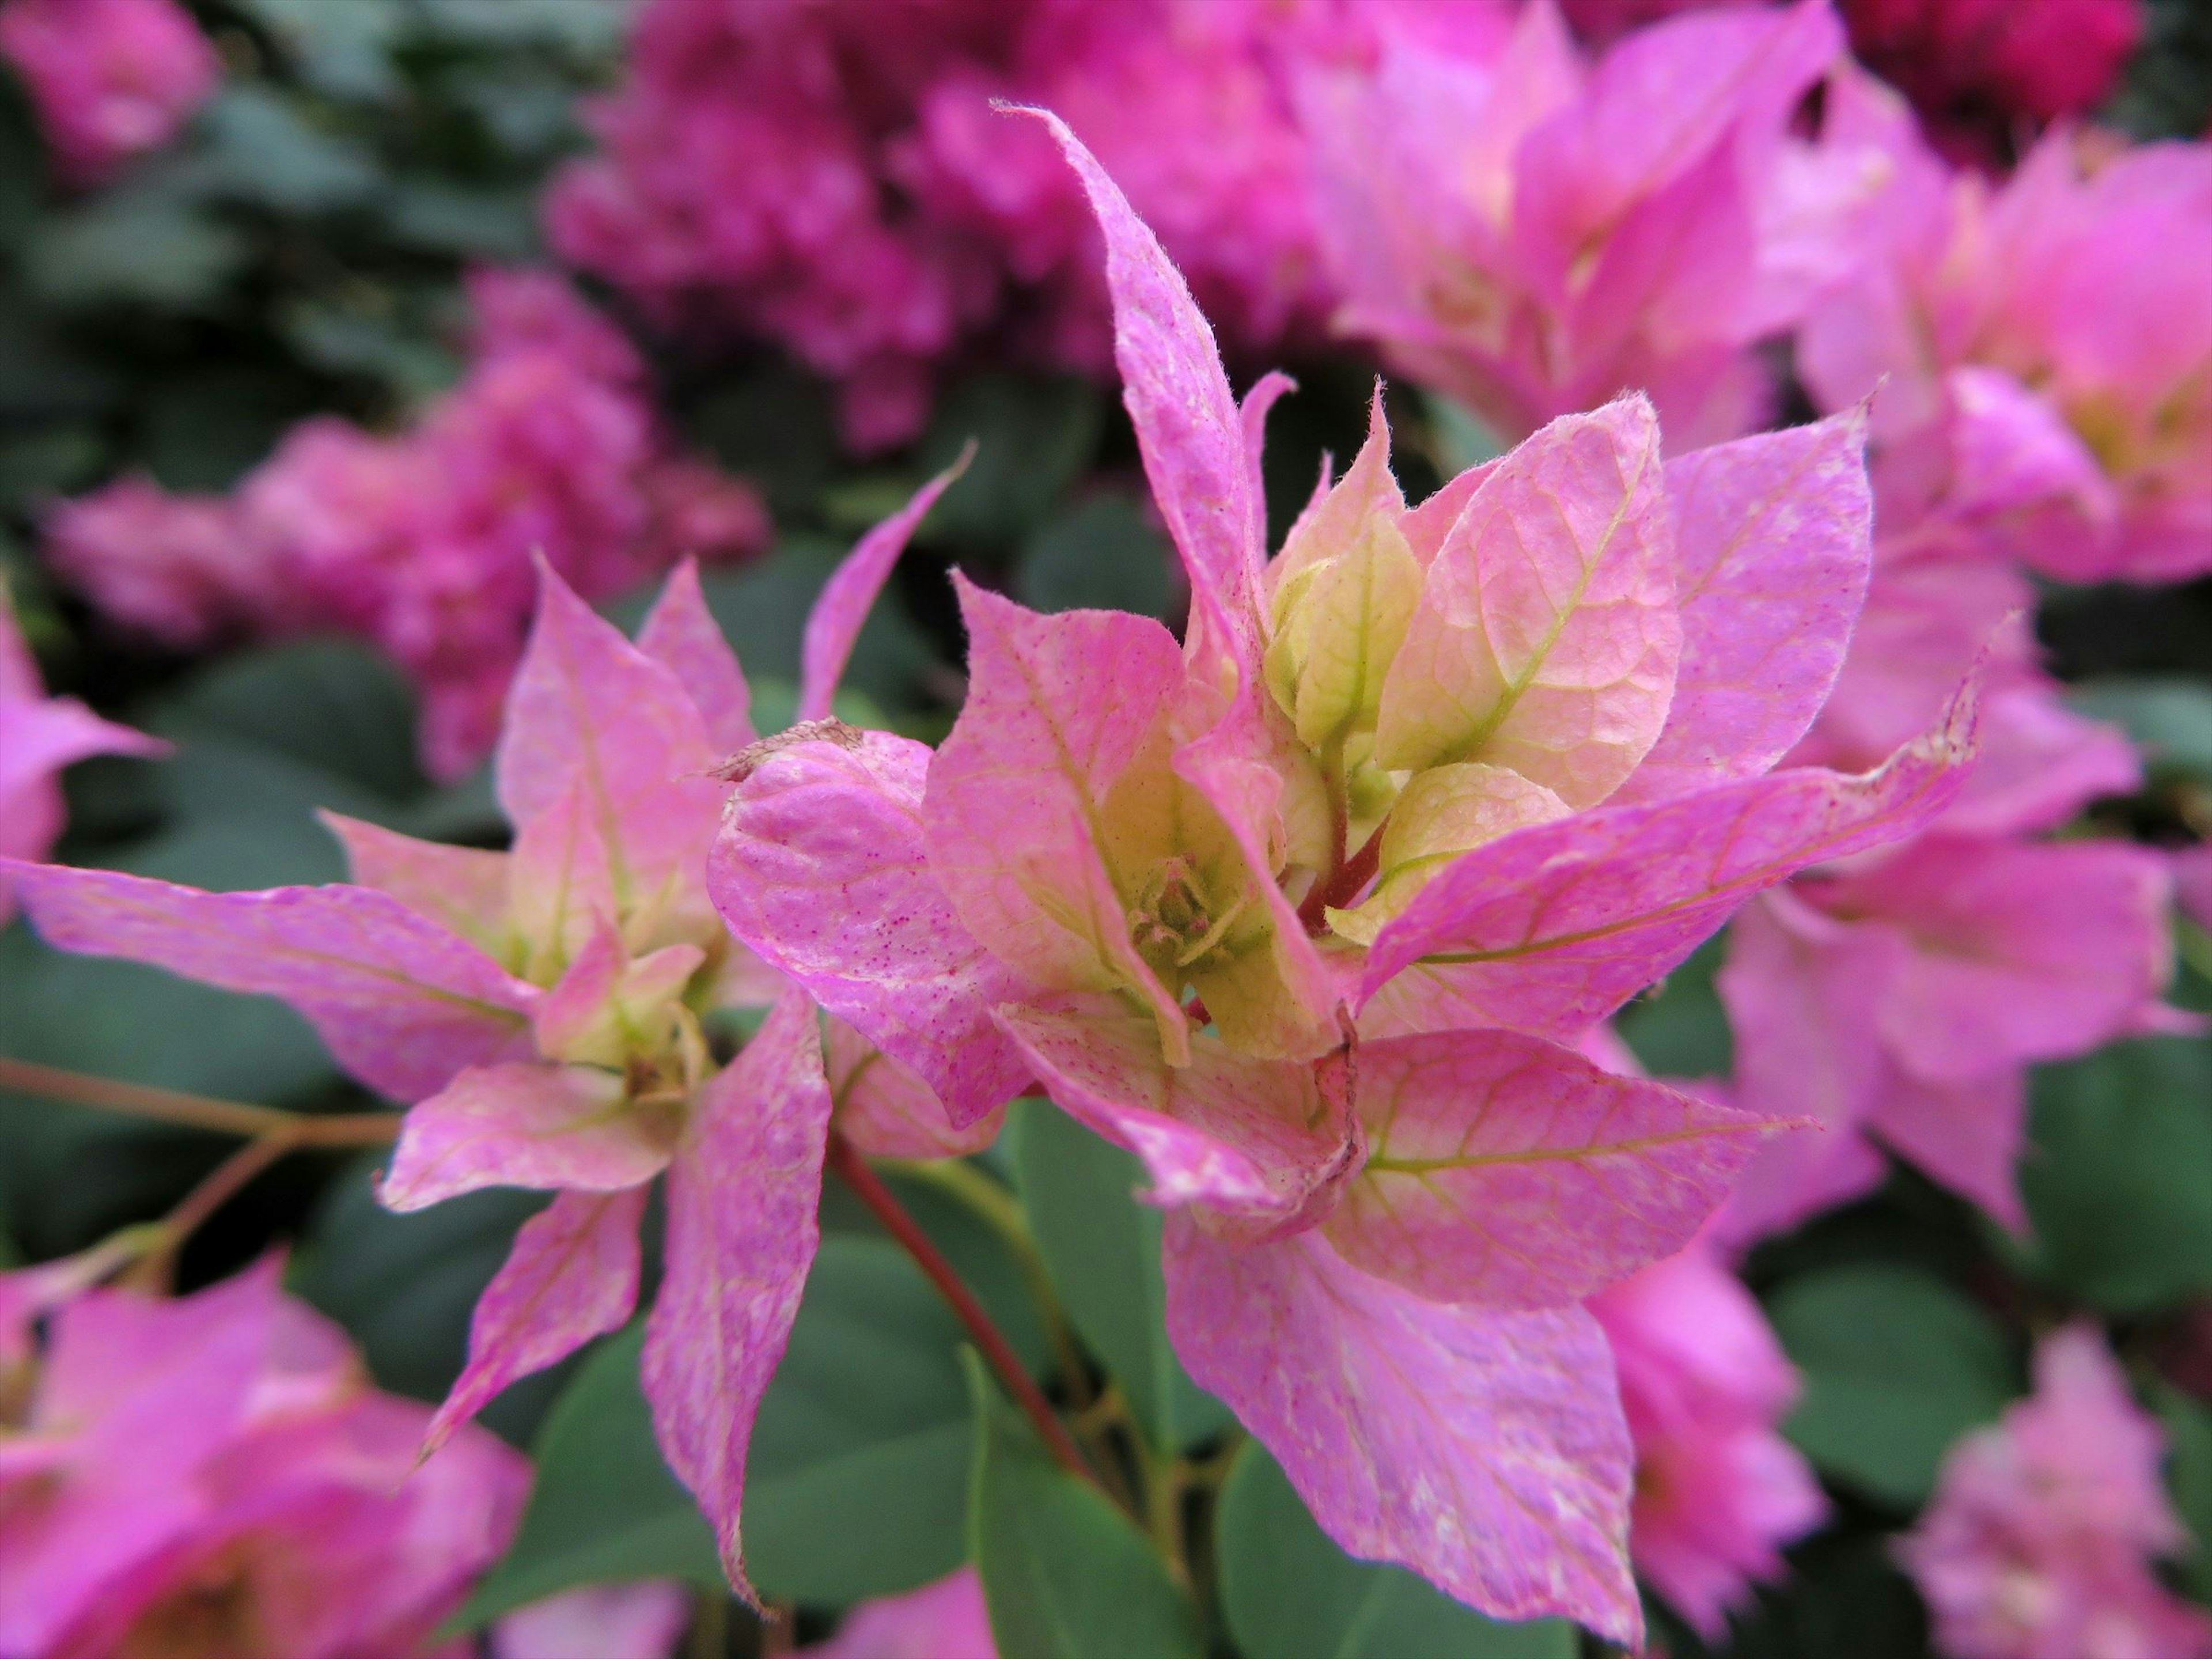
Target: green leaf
<point x="2118" y="1174"/>
<point x="406" y="1286"/>
<point x="1896" y="1366"/>
<point x="1102" y="1249"/>
<point x="342" y="50"/>
<point x="1103" y="555"/>
<point x="605" y="1507"/>
<point x="2169" y="720"/>
<point x="2188" y="1474"/>
<point x="763" y="608"/>
<point x="1033" y="437"/>
<point x="1463" y="438"/>
<point x="1678" y="1028"/>
<point x="144" y="243"/>
<point x="262" y="151"/>
<point x="1290" y="1593"/>
<point x="857" y="1483"/>
<point x="1065" y="1575"/>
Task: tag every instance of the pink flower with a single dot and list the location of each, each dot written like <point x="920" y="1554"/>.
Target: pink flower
<point x="833" y="177"/>
<point x="1309" y="911"/>
<point x="1704" y="1382"/>
<point x="2038" y="1542"/>
<point x="112" y="79"/>
<point x="1534" y="233"/>
<point x="1904" y="997"/>
<point x="2047" y="346"/>
<point x="599" y="1621"/>
<point x="214" y="1474"/>
<point x="541" y="1010"/>
<point x="422" y="542"/>
<point x="39" y="737"/>
<point x="945" y="1620"/>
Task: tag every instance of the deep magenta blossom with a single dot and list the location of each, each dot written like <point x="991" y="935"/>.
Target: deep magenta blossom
<point x="833" y="176"/>
<point x="2042" y="347"/>
<point x="1308" y="910"/>
<point x="111" y="79"/>
<point x="2039" y="1541"/>
<point x="1534" y="233"/>
<point x="544" y="1012"/>
<point x="215" y="1475"/>
<point x="422" y="542"/>
<point x="1705" y="1385"/>
<point x="39" y="737"/>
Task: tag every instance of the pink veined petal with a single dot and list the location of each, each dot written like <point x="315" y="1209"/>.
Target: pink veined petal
<point x="526" y="1124"/>
<point x="1551" y="928"/>
<point x="820" y="868"/>
<point x="588" y="707"/>
<point x="462" y="888"/>
<point x="403" y="1004"/>
<point x="560" y="883"/>
<point x="743" y="1194"/>
<point x="1505" y="1170"/>
<point x="682" y="635"/>
<point x="571" y="1276"/>
<point x="1773" y="543"/>
<point x="886" y="1110"/>
<point x="1267" y="1142"/>
<point x="1484" y="1449"/>
<point x="834" y="623"/>
<point x="1058" y="706"/>
<point x="1188" y="427"/>
<point x="1547" y="637"/>
<point x="1966" y="1132"/>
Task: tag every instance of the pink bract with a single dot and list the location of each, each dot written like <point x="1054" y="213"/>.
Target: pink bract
<point x="599" y="1621"/>
<point x="111" y="79"/>
<point x="2030" y="399"/>
<point x="945" y="1620"/>
<point x="39" y="737"/>
<point x="1307" y="910"/>
<point x="540" y="1011"/>
<point x="1533" y="233"/>
<point x="2040" y="1539"/>
<point x="1705" y="1384"/>
<point x="214" y="1474"/>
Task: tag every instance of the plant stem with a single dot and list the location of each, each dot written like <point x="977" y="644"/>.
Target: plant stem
<point x="229" y="1117"/>
<point x="868" y="1186"/>
<point x="220" y="1185"/>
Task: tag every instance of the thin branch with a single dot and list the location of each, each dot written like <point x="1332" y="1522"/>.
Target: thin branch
<point x="221" y="1184"/>
<point x="228" y="1117"/>
<point x="868" y="1186"/>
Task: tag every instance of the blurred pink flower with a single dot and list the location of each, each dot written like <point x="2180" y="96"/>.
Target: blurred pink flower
<point x="111" y="79"/>
<point x="599" y="1621"/>
<point x="421" y="541"/>
<point x="2042" y="347"/>
<point x="1704" y="1385"/>
<point x="832" y="176"/>
<point x="945" y="1620"/>
<point x="2039" y="1540"/>
<point x="40" y="736"/>
<point x="214" y="1474"/>
<point x="1534" y="233"/>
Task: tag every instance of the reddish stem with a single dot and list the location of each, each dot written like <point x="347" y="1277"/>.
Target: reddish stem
<point x="1344" y="886"/>
<point x="883" y="1203"/>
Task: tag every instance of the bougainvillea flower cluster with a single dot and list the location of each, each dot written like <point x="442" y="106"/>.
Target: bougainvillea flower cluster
<point x="1704" y="1383"/>
<point x="2041" y="1539"/>
<point x="832" y="177"/>
<point x="214" y="1475"/>
<point x="40" y="736"/>
<point x="1307" y="910"/>
<point x="110" y="79"/>
<point x="422" y="542"/>
<point x="543" y="1012"/>
<point x="1534" y="233"/>
<point x="2043" y="348"/>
